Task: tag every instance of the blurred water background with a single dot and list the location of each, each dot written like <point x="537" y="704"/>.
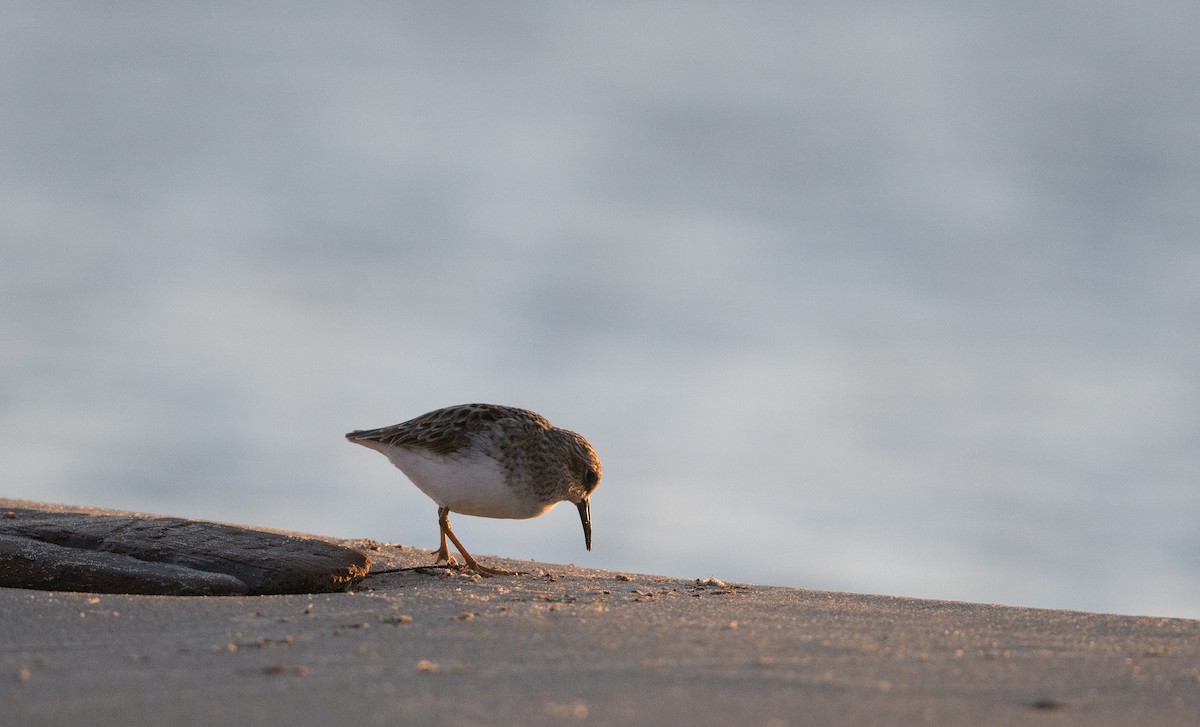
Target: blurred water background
<point x="899" y="299"/>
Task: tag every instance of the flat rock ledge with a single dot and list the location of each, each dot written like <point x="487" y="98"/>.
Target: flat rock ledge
<point x="56" y="548"/>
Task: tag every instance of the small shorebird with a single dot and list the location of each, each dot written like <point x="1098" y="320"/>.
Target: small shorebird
<point x="491" y="461"/>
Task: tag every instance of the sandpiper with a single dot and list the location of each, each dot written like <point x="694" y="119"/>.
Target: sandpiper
<point x="491" y="461"/>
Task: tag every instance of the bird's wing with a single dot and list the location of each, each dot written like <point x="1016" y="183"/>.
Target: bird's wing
<point x="446" y="431"/>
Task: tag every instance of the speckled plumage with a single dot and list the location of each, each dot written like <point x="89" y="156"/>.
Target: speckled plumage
<point x="491" y="461"/>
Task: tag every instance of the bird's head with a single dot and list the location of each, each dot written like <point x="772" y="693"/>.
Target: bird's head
<point x="585" y="473"/>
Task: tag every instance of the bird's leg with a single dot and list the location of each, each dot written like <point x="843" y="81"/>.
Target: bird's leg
<point x="483" y="570"/>
<point x="443" y="553"/>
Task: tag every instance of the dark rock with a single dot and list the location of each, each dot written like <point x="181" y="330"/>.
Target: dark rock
<point x="130" y="553"/>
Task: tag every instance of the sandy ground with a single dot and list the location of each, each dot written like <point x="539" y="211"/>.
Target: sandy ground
<point x="564" y="645"/>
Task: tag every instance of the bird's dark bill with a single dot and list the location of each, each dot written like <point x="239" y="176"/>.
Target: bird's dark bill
<point x="585" y="515"/>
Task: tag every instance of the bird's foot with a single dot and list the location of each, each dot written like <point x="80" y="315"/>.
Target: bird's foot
<point x="486" y="572"/>
<point x="442" y="554"/>
<point x="472" y="565"/>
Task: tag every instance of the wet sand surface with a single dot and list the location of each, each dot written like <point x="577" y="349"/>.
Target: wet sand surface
<point x="569" y="645"/>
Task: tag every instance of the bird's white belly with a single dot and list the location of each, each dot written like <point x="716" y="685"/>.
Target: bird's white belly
<point x="470" y="486"/>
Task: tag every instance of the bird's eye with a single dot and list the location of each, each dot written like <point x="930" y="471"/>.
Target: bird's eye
<point x="590" y="478"/>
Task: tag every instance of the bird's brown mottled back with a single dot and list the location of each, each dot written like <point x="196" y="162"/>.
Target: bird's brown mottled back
<point x="448" y="431"/>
